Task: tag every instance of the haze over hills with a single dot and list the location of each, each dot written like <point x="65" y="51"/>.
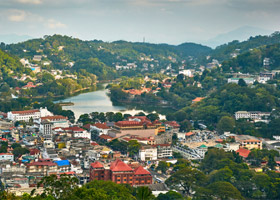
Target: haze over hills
<point x="14" y="38"/>
<point x="241" y="34"/>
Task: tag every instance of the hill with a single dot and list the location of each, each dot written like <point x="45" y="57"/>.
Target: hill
<point x="234" y="48"/>
<point x="102" y="58"/>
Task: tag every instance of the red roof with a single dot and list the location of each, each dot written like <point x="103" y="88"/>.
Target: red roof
<point x="174" y="124"/>
<point x="197" y="99"/>
<point x="94" y="143"/>
<point x="47" y="163"/>
<point x="101" y="126"/>
<point x="73" y="129"/>
<point x="97" y="164"/>
<point x="25" y="111"/>
<point x="140" y="170"/>
<point x="105" y="137"/>
<point x="189" y="133"/>
<point x="68" y="173"/>
<point x="34" y="151"/>
<point x="128" y="123"/>
<point x="119" y="166"/>
<point x="6" y="154"/>
<point x="243" y="152"/>
<point x="87" y="126"/>
<point x="219" y="140"/>
<point x="55" y="117"/>
<point x="29" y="85"/>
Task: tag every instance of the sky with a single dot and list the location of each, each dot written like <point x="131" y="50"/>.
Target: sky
<point x="159" y="21"/>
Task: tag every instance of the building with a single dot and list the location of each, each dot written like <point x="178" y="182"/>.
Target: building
<point x="243" y="152"/>
<point x="148" y="153"/>
<point x="46" y="128"/>
<point x="136" y="122"/>
<point x="100" y="128"/>
<point x="197" y="99"/>
<point x="248" y="142"/>
<point x="37" y="58"/>
<point x="163" y="150"/>
<point x="6" y="157"/>
<point x="26" y="115"/>
<point x="247" y="80"/>
<point x="77" y="132"/>
<point x="57" y="120"/>
<point x="44" y="166"/>
<point x="120" y="173"/>
<point x="254" y="115"/>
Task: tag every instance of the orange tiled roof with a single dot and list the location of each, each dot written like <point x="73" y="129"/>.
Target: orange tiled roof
<point x="189" y="133"/>
<point x="119" y="166"/>
<point x="243" y="152"/>
<point x="96" y="164"/>
<point x="25" y="111"/>
<point x="140" y="170"/>
<point x="197" y="99"/>
<point x="55" y="117"/>
<point x="101" y="126"/>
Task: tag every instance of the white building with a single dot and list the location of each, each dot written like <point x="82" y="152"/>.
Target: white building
<point x="6" y="157"/>
<point x="163" y="150"/>
<point x="57" y="120"/>
<point x="26" y="115"/>
<point x="255" y="115"/>
<point x="247" y="80"/>
<point x="46" y="128"/>
<point x="148" y="153"/>
<point x="187" y="72"/>
<point x="77" y="132"/>
<point x="100" y="128"/>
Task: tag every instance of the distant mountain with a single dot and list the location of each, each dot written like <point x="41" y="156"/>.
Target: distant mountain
<point x="193" y="49"/>
<point x="241" y="34"/>
<point x="14" y="38"/>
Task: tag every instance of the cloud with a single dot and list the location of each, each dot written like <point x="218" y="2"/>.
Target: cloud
<point x="53" y="24"/>
<point x="35" y="2"/>
<point x="17" y="15"/>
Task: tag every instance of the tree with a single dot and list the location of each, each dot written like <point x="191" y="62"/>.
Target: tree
<point x="180" y="116"/>
<point x="170" y="195"/>
<point x="102" y="190"/>
<point x="144" y="193"/>
<point x="186" y="180"/>
<point x="224" y="191"/>
<point x="133" y="148"/>
<point x="15" y="145"/>
<point x="59" y="188"/>
<point x="226" y="124"/>
<point x="242" y="83"/>
<point x="185" y="125"/>
<point x="153" y="116"/>
<point x="162" y="166"/>
<point x="221" y="175"/>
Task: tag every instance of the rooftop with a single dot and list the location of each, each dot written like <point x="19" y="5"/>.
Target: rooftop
<point x="243" y="152"/>
<point x="119" y="165"/>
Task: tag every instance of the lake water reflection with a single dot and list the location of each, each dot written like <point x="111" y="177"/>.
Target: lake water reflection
<point x="98" y="101"/>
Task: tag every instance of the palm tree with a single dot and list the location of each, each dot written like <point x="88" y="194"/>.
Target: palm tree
<point x="144" y="193"/>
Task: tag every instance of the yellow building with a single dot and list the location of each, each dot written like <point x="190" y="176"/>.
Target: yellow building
<point x="248" y="142"/>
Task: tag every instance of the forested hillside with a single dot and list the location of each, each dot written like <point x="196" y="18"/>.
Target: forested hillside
<point x="101" y="58"/>
<point x="226" y="51"/>
<point x="252" y="61"/>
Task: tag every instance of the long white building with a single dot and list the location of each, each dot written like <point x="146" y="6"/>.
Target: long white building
<point x="26" y="115"/>
<point x="251" y="115"/>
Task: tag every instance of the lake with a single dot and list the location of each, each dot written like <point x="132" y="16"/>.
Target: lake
<point x="99" y="101"/>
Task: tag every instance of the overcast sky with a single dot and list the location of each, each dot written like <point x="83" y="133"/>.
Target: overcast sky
<point x="159" y="21"/>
